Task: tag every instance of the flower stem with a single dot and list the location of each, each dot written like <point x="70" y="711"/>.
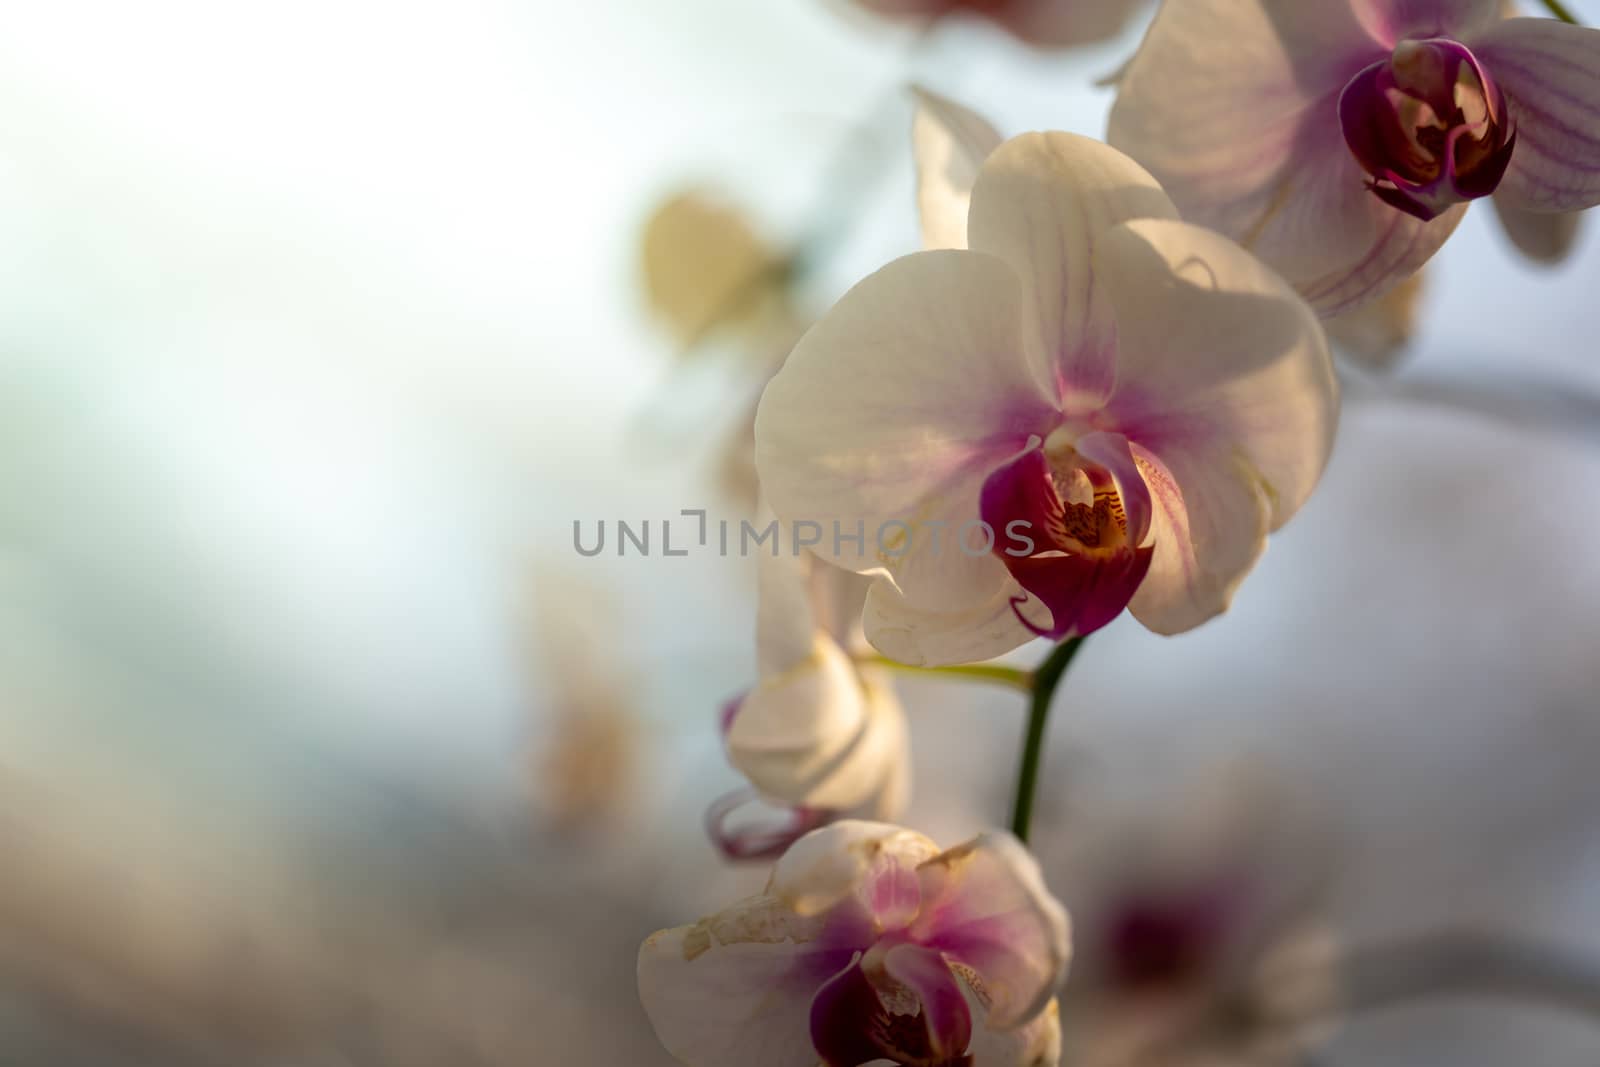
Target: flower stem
<point x="1045" y="681"/>
<point x="1559" y="10"/>
<point x="977" y="672"/>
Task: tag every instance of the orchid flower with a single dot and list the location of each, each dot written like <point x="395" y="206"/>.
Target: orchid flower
<point x="1042" y="23"/>
<point x="1095" y="407"/>
<point x="1341" y="140"/>
<point x="868" y="944"/>
<point x="1201" y="925"/>
<point x="819" y="734"/>
<point x="704" y="267"/>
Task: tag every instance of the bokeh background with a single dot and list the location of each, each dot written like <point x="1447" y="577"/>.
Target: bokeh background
<point x="320" y="325"/>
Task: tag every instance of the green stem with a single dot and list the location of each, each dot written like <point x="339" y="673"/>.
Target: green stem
<point x="1559" y="10"/>
<point x="978" y="672"/>
<point x="1045" y="681"/>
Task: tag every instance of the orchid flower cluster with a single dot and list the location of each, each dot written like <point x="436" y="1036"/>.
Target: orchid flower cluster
<point x="1101" y="386"/>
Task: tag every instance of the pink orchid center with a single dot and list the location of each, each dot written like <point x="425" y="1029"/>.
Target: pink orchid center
<point x="1071" y="516"/>
<point x="898" y="999"/>
<point x="1160" y="943"/>
<point x="1429" y="125"/>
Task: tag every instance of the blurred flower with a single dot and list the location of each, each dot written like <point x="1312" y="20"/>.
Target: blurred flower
<point x="1118" y="406"/>
<point x="706" y="268"/>
<point x="1377" y="333"/>
<point x="818" y="734"/>
<point x="1341" y="141"/>
<point x="1200" y="930"/>
<point x="1042" y="23"/>
<point x="949" y="143"/>
<point x="586" y="769"/>
<point x="868" y="944"/>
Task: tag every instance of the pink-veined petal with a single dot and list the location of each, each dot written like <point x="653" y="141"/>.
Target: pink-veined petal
<point x="1550" y="73"/>
<point x="985" y="905"/>
<point x="736" y="988"/>
<point x="1545" y="237"/>
<point x="924" y="638"/>
<point x="1232" y="105"/>
<point x="832" y="863"/>
<point x="890" y="413"/>
<point x="944" y="1004"/>
<point x="1040" y="203"/>
<point x="949" y="143"/>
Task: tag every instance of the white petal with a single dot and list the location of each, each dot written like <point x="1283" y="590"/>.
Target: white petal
<point x="949" y="143"/>
<point x="1037" y="1044"/>
<point x="1544" y="237"/>
<point x="801" y="736"/>
<point x="923" y="638"/>
<point x="893" y="409"/>
<point x="1232" y="105"/>
<point x="736" y="988"/>
<point x="985" y="905"/>
<point x="1210" y="529"/>
<point x="1227" y="390"/>
<point x="1550" y="73"/>
<point x="829" y="864"/>
<point x="1041" y="201"/>
<point x="1390" y="20"/>
<point x="1214" y="345"/>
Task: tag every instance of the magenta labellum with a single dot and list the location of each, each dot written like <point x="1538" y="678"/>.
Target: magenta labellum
<point x="1430" y="125"/>
<point x="1075" y="514"/>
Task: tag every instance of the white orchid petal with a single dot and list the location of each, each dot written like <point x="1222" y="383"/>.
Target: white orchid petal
<point x="1040" y="202"/>
<point x="1209" y="530"/>
<point x="1227" y="389"/>
<point x="1213" y="345"/>
<point x="985" y="905"/>
<point x="949" y="143"/>
<point x="736" y="988"/>
<point x="892" y="410"/>
<point x="830" y="864"/>
<point x="923" y="638"/>
<point x="1550" y="73"/>
<point x="1038" y="1044"/>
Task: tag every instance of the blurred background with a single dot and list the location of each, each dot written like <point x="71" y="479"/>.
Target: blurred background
<point x="320" y="746"/>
